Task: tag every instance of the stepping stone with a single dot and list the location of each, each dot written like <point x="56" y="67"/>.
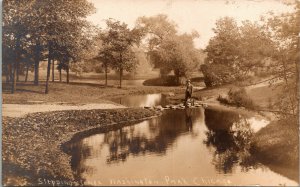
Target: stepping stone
<point x="204" y="105"/>
<point x="171" y="94"/>
<point x="159" y="108"/>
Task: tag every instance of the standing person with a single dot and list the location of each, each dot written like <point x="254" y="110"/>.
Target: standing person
<point x="188" y="91"/>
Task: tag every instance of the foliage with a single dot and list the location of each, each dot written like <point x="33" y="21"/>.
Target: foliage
<point x="217" y="74"/>
<point x="117" y="43"/>
<point x="161" y="81"/>
<point x="168" y="50"/>
<point x="235" y="52"/>
<point x="53" y="29"/>
<point x="237" y="97"/>
<point x="284" y="30"/>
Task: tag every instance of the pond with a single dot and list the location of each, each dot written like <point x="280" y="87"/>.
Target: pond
<point x="181" y="147"/>
<point x="148" y="100"/>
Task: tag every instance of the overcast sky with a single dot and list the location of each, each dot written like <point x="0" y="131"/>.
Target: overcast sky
<point x="189" y="15"/>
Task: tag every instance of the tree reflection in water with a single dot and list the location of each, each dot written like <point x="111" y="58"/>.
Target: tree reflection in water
<point x="230" y="135"/>
<point x="160" y="134"/>
<point x="226" y="133"/>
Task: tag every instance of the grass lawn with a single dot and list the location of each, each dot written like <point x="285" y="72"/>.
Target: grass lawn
<point x="76" y="92"/>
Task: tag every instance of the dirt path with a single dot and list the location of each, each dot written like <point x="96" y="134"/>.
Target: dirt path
<point x="20" y="110"/>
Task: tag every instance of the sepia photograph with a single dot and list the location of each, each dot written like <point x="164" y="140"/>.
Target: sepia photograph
<point x="150" y="92"/>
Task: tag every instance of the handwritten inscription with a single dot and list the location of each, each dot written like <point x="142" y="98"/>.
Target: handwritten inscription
<point x="166" y="180"/>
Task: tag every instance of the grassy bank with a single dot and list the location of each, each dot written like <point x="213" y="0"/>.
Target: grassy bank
<point x="277" y="146"/>
<point x="32" y="145"/>
<point x="278" y="142"/>
<point x="77" y="93"/>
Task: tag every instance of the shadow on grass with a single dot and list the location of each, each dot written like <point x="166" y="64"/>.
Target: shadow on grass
<point x="14" y="174"/>
<point x="277" y="146"/>
<point x="197" y="79"/>
<point x="23" y="87"/>
<point x="86" y="84"/>
<point x="30" y="87"/>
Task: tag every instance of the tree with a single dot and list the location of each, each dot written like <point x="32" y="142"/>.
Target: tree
<point x="117" y="46"/>
<point x="44" y="26"/>
<point x="64" y="22"/>
<point x="178" y="54"/>
<point x="156" y="28"/>
<point x="284" y="30"/>
<point x="169" y="51"/>
<point x="235" y="53"/>
<point x="15" y="29"/>
<point x="222" y="53"/>
<point x="105" y="56"/>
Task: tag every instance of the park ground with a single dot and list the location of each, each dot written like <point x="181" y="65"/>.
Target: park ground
<point x="44" y="133"/>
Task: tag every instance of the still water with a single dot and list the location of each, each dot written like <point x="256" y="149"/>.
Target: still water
<point x="148" y="100"/>
<point x="181" y="147"/>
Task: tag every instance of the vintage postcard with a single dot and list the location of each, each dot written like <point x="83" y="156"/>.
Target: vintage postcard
<point x="150" y="92"/>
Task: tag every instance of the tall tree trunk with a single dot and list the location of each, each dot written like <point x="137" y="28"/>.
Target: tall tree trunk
<point x="26" y="75"/>
<point x="48" y="68"/>
<point x="59" y="75"/>
<point x="18" y="71"/>
<point x="121" y="70"/>
<point x="297" y="80"/>
<point x="14" y="78"/>
<point x="11" y="73"/>
<point x="106" y="75"/>
<point x="36" y="63"/>
<point x="53" y="70"/>
<point x="36" y="72"/>
<point x="15" y="65"/>
<point x="121" y="73"/>
<point x="68" y="73"/>
<point x="7" y="73"/>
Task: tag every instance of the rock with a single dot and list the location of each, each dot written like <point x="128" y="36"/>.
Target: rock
<point x="147" y="107"/>
<point x="171" y="94"/>
<point x="172" y="107"/>
<point x="159" y="107"/>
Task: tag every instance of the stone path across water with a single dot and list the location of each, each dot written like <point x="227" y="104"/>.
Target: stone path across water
<point x="197" y="104"/>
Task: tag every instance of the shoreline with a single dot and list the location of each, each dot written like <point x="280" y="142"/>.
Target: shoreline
<point x="51" y="130"/>
<point x="84" y="121"/>
<point x="24" y="165"/>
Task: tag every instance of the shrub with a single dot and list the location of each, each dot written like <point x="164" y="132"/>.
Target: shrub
<point x="217" y="74"/>
<point x="237" y="97"/>
<point x="169" y="80"/>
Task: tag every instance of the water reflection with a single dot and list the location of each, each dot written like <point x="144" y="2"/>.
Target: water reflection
<point x="148" y="100"/>
<point x="230" y="135"/>
<point x="179" y="144"/>
<point x="188" y="119"/>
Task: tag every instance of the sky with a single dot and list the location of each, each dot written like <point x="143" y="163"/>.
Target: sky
<point x="189" y="15"/>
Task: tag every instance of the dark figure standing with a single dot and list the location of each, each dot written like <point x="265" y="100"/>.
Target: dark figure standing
<point x="188" y="92"/>
<point x="188" y="119"/>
